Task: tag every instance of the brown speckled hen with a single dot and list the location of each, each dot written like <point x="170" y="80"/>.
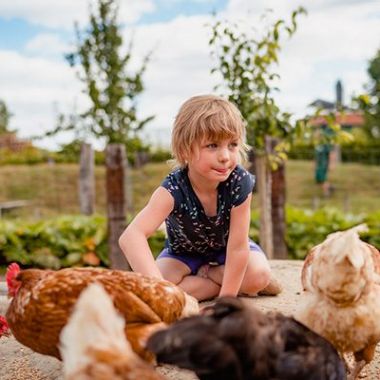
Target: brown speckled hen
<point x="342" y="301"/>
<point x="43" y="300"/>
<point x="93" y="345"/>
<point x="234" y="341"/>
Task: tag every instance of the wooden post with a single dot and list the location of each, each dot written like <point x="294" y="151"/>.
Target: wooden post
<point x="280" y="250"/>
<point x="86" y="180"/>
<point x="116" y="176"/>
<point x="264" y="196"/>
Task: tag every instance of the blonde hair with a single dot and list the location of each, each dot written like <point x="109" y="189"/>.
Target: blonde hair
<point x="206" y="117"/>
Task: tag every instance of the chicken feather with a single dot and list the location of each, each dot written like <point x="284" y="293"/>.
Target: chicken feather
<point x="93" y="345"/>
<point x="234" y="341"/>
<point x="342" y="301"/>
<point x="44" y="300"/>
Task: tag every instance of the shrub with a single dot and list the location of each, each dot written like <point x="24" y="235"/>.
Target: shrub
<point x="60" y="242"/>
<point x="79" y="240"/>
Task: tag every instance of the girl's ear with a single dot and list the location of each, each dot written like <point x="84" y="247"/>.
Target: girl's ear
<point x="185" y="157"/>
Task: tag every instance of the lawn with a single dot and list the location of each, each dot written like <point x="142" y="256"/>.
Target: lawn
<point x="53" y="188"/>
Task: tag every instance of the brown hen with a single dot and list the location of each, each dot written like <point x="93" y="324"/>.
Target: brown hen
<point x="43" y="300"/>
<point x="342" y="301"/>
<point x="93" y="345"/>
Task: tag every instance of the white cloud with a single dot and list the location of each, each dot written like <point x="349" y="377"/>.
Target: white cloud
<point x="33" y="88"/>
<point x="180" y="66"/>
<point x="47" y="45"/>
<point x="334" y="41"/>
<point x="62" y="14"/>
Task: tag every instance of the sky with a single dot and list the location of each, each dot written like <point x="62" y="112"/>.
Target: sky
<point x="335" y="40"/>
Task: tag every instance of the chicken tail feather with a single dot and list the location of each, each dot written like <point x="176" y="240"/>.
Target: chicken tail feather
<point x="94" y="324"/>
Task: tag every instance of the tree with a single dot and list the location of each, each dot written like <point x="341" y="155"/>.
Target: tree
<point x="246" y="66"/>
<point x="370" y="102"/>
<point x="113" y="90"/>
<point x="5" y="116"/>
<point x="110" y="85"/>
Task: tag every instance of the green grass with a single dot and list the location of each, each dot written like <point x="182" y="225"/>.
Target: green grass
<point x="356" y="187"/>
<point x="53" y="188"/>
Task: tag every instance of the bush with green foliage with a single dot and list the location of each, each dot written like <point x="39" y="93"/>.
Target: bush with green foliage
<point x="79" y="240"/>
<point x="60" y="242"/>
<point x="159" y="155"/>
<point x="53" y="243"/>
<point x="28" y="155"/>
<point x="306" y="228"/>
<point x="365" y="152"/>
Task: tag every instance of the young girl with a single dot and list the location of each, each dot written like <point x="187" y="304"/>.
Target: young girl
<point x="205" y="204"/>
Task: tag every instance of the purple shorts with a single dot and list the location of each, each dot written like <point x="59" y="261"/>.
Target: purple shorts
<point x="195" y="261"/>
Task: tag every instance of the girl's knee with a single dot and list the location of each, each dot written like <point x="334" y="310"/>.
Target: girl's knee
<point x="256" y="279"/>
<point x="172" y="270"/>
<point x="263" y="277"/>
<point x="174" y="278"/>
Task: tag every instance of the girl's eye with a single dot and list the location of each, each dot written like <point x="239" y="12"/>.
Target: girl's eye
<point x="234" y="145"/>
<point x="211" y="146"/>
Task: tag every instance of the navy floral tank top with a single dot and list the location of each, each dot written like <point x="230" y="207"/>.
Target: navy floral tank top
<point x="188" y="227"/>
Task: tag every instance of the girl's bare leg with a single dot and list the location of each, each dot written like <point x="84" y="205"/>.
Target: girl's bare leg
<point x="257" y="275"/>
<point x="256" y="278"/>
<point x="178" y="273"/>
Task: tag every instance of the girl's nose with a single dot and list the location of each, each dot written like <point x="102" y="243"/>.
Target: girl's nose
<point x="224" y="155"/>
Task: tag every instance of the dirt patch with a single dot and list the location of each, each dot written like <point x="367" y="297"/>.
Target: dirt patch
<point x="19" y="363"/>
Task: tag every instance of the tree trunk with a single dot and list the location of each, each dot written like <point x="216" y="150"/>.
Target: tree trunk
<point x="264" y="196"/>
<point x="116" y="174"/>
<point x="278" y="213"/>
<point x="86" y="180"/>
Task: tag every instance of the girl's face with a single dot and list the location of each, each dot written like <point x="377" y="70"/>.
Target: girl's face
<point x="214" y="160"/>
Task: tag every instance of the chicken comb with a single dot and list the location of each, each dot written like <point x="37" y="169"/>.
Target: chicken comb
<point x="12" y="271"/>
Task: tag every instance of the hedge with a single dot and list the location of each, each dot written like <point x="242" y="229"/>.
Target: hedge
<point x="79" y="240"/>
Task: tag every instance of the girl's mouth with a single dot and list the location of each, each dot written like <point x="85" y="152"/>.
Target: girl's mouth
<point x="222" y="171"/>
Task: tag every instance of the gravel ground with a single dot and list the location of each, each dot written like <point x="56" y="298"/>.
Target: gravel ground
<point x="19" y="362"/>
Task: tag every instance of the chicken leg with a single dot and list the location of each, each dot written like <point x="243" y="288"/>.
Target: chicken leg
<point x="362" y="358"/>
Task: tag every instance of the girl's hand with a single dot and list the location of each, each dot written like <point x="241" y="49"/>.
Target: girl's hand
<point x="203" y="271"/>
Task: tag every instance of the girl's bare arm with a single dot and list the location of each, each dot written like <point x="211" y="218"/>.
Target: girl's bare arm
<point x="134" y="240"/>
<point x="237" y="249"/>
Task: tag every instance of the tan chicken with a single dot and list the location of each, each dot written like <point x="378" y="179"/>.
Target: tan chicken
<point x="43" y="300"/>
<point x="93" y="345"/>
<point x="308" y="263"/>
<point x="342" y="301"/>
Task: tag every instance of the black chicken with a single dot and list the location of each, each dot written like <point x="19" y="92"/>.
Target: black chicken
<point x="234" y="341"/>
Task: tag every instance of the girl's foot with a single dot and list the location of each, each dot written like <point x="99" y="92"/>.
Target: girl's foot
<point x="272" y="289"/>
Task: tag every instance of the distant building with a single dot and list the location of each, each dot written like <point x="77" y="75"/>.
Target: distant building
<point x="347" y="117"/>
<point x="12" y="142"/>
